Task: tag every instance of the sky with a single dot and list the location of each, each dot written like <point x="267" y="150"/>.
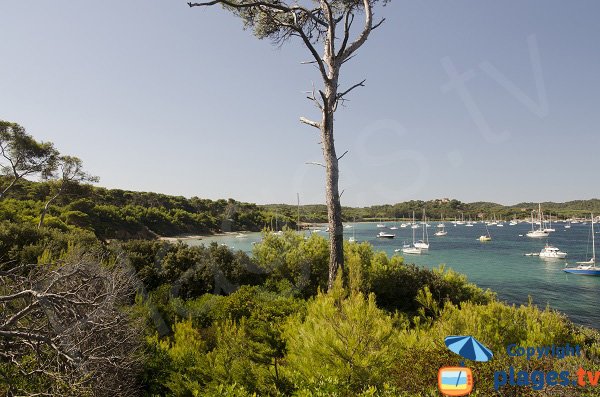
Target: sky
<point x="473" y="100"/>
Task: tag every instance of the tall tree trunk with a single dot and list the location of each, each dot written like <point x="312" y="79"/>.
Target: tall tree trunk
<point x="332" y="196"/>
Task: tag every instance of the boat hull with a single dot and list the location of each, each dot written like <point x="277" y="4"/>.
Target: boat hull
<point x="584" y="272"/>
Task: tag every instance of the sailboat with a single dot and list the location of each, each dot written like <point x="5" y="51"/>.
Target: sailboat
<point x="411" y="248"/>
<point x="549" y="228"/>
<point x="539" y="232"/>
<point x="441" y="224"/>
<point x="487" y="236"/>
<point x="441" y="232"/>
<point x="469" y="224"/>
<point x="424" y="243"/>
<point x="353" y="238"/>
<point x="395" y="223"/>
<point x="587" y="268"/>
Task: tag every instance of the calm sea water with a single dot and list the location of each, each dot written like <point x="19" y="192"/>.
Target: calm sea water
<point x="499" y="264"/>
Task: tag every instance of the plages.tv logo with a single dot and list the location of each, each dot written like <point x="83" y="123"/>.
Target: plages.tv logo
<point x="458" y="381"/>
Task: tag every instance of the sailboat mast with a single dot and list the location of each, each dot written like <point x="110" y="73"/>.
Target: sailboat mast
<point x="413" y="228"/>
<point x="298" y="221"/>
<point x="593" y="241"/>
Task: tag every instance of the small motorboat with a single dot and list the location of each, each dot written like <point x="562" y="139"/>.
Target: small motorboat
<point x="385" y="235"/>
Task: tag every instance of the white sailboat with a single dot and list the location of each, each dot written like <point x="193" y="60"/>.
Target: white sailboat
<point x="411" y="248"/>
<point x="353" y="238"/>
<point x="539" y="233"/>
<point x="423" y="243"/>
<point x="441" y="232"/>
<point x="441" y="224"/>
<point x="549" y="228"/>
<point x="587" y="268"/>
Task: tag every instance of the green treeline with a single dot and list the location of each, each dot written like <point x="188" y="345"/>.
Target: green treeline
<point x="121" y="214"/>
<point x="436" y="209"/>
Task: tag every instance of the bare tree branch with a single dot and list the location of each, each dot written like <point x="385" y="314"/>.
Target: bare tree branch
<point x="63" y="324"/>
<point x="339" y="158"/>
<point x="378" y="24"/>
<point x="361" y="84"/>
<point x="364" y="35"/>
<point x="310" y="122"/>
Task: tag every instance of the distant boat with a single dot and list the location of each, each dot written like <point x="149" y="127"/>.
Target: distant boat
<point x="550" y="228"/>
<point x="394" y="227"/>
<point x="441" y="224"/>
<point x="568" y="225"/>
<point x="411" y="248"/>
<point x="423" y="243"/>
<point x="353" y="238"/>
<point x="486" y="237"/>
<point x="385" y="235"/>
<point x="552" y="252"/>
<point x="442" y="232"/>
<point x="539" y="233"/>
<point x="587" y="268"/>
<point x="469" y="224"/>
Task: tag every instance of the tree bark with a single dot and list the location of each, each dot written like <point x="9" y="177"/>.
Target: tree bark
<point x="45" y="210"/>
<point x="10" y="185"/>
<point x="332" y="196"/>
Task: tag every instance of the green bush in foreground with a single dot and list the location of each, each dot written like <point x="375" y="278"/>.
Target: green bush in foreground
<point x="343" y="345"/>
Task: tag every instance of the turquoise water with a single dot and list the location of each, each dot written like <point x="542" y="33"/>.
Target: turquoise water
<point x="499" y="264"/>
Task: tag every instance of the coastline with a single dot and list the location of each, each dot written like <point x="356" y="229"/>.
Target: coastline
<point x="186" y="237"/>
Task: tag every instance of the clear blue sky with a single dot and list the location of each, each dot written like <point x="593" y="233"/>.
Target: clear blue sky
<point x="155" y="96"/>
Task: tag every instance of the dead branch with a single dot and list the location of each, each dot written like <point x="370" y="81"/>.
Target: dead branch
<point x="310" y="122"/>
<point x="63" y="324"/>
<point x="341" y="95"/>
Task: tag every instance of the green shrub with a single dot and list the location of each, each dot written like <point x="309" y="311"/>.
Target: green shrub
<point x="343" y="345"/>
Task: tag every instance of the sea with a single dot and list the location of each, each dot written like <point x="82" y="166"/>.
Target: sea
<point x="500" y="265"/>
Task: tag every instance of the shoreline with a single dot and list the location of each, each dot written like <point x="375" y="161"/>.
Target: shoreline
<point x="185" y="237"/>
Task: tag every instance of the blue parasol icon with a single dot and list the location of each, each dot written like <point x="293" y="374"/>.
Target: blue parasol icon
<point x="468" y="347"/>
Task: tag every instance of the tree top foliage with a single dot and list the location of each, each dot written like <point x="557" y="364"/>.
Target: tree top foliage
<point x="22" y="155"/>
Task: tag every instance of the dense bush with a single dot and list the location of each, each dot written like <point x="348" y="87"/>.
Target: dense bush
<point x="25" y="243"/>
<point x="190" y="271"/>
<point x="303" y="262"/>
